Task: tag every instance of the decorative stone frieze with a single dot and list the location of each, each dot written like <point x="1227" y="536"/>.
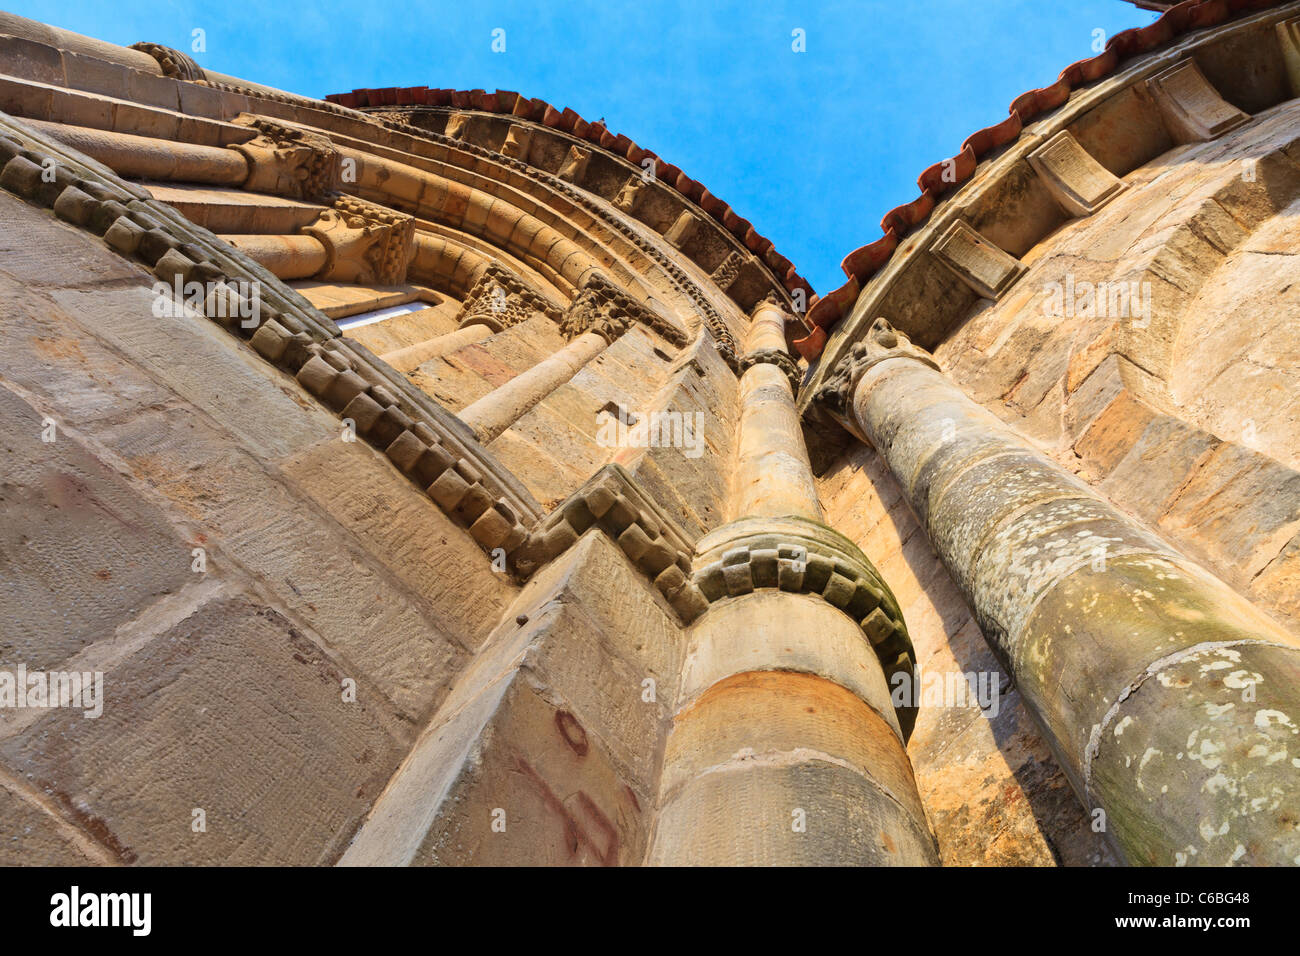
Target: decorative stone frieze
<point x="613" y="502"/>
<point x="284" y="161"/>
<point x="364" y="242"/>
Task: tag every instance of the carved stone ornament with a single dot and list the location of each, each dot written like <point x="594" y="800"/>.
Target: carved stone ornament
<point x="289" y="162"/>
<point x="881" y="343"/>
<point x="365" y="243"/>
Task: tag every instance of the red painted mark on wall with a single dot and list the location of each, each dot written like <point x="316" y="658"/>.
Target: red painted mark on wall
<point x="572" y="732"/>
<point x="575" y="834"/>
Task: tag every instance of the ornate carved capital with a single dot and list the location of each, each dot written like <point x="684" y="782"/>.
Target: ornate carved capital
<point x="500" y="299"/>
<point x="289" y="162"/>
<point x="882" y="342"/>
<point x="173" y="63"/>
<point x="603" y="308"/>
<point x="364" y="242"/>
<point x="778" y="357"/>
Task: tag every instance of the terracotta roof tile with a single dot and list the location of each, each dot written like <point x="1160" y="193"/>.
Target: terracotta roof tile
<point x="862" y="263"/>
<point x="567" y="120"/>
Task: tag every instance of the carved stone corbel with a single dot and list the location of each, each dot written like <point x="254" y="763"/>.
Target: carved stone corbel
<point x="518" y="140"/>
<point x="630" y="195"/>
<point x="364" y="242"/>
<point x="575" y="165"/>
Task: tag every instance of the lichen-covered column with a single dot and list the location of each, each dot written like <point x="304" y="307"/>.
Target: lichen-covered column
<point x="1172" y="703"/>
<point x="785" y="747"/>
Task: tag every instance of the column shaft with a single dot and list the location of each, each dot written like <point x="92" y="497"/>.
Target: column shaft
<point x="285" y="257"/>
<point x="772" y="476"/>
<point x="1172" y="703"/>
<point x="413" y="356"/>
<point x="143" y="157"/>
<point x="785" y="747"/>
<point x="503" y="406"/>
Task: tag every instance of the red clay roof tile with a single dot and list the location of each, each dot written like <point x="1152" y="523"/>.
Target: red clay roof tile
<point x="864" y="262"/>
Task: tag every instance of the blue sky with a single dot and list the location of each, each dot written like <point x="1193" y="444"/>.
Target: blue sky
<point x="812" y="147"/>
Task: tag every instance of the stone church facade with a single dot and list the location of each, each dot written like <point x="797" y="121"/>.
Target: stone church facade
<point x="436" y="477"/>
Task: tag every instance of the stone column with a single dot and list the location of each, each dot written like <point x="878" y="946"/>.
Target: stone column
<point x="1172" y="703"/>
<point x="785" y="747"/>
<point x="353" y="241"/>
<point x="502" y="407"/>
<point x="143" y="157"/>
<point x="772" y="474"/>
<point x="285" y="257"/>
<point x="413" y="356"/>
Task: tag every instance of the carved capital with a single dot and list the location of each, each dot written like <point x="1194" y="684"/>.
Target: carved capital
<point x="289" y="162"/>
<point x="364" y="242"/>
<point x="603" y="308"/>
<point x="881" y="343"/>
<point x="499" y="299"/>
<point x="778" y="357"/>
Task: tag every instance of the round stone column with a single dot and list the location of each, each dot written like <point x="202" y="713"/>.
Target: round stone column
<point x="285" y="257"/>
<point x="1172" y="703"/>
<point x="785" y="747"/>
<point x="503" y="406"/>
<point x="413" y="356"/>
